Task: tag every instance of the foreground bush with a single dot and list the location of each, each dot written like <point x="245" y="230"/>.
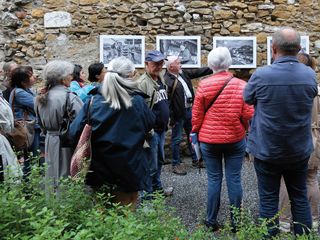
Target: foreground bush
<point x="27" y="211"/>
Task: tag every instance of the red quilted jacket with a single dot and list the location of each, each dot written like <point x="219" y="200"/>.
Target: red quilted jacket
<point x="227" y="119"/>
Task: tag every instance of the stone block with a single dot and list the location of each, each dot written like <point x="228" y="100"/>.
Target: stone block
<point x="88" y="2"/>
<point x="194" y="30"/>
<point x="20" y="31"/>
<point x="227" y="24"/>
<point x="55" y="3"/>
<point x="205" y="11"/>
<point x="252" y="27"/>
<point x="253" y="9"/>
<point x="39" y="36"/>
<point x="239" y="14"/>
<point x="37" y="13"/>
<point x="224" y="31"/>
<point x="198" y="4"/>
<point x="263" y="13"/>
<point x="155" y="21"/>
<point x="187" y="17"/>
<point x="266" y="6"/>
<point x="262" y="37"/>
<point x="235" y="28"/>
<point x="223" y="14"/>
<point x="281" y="14"/>
<point x="237" y="4"/>
<point x="123" y="8"/>
<point x="57" y="19"/>
<point x="249" y="16"/>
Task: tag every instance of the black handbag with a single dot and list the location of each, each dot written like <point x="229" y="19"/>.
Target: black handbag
<point x="65" y="141"/>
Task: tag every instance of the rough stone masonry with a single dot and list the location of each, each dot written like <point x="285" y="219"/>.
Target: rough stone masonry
<point x="73" y="32"/>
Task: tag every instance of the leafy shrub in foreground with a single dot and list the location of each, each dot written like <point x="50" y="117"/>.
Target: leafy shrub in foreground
<point x="30" y="211"/>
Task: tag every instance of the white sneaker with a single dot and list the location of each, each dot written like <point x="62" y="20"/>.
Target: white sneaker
<point x="284" y="227"/>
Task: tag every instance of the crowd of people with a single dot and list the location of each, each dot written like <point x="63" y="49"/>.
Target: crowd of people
<point x="273" y="117"/>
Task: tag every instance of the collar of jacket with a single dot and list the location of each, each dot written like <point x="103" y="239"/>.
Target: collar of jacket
<point x="154" y="82"/>
<point x="171" y="75"/>
<point x="284" y="59"/>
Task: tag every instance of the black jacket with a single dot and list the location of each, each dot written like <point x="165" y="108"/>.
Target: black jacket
<point x="177" y="102"/>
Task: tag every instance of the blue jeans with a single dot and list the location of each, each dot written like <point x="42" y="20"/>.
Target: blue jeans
<point x="295" y="177"/>
<point x="176" y="137"/>
<point x="233" y="154"/>
<point x="156" y="159"/>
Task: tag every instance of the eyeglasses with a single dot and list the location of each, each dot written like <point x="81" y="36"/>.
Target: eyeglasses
<point x="157" y="63"/>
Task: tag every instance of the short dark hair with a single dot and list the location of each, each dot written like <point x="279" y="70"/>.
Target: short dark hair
<point x="288" y="45"/>
<point x="94" y="70"/>
<point x="76" y="72"/>
<point x="19" y="75"/>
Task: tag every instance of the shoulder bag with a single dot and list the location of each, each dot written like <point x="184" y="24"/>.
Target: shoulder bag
<point x="81" y="158"/>
<point x="23" y="133"/>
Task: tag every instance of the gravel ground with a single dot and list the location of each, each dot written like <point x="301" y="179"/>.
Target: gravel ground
<point x="190" y="193"/>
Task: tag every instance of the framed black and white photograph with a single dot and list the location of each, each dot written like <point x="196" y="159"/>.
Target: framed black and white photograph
<point x="242" y="49"/>
<point x="187" y="48"/>
<point x="304" y="47"/>
<point x="130" y="46"/>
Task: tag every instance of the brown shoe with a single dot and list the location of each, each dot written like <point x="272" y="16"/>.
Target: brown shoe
<point x="198" y="164"/>
<point x="179" y="170"/>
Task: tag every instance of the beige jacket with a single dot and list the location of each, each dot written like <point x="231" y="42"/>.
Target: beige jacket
<point x="315" y="156"/>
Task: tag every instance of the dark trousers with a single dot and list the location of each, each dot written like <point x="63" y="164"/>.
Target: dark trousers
<point x="176" y="138"/>
<point x="295" y="177"/>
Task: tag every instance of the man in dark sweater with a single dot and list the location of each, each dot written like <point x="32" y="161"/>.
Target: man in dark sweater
<point x="181" y="96"/>
<point x="152" y="84"/>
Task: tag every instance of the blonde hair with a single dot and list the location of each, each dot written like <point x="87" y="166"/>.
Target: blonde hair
<point x="117" y="84"/>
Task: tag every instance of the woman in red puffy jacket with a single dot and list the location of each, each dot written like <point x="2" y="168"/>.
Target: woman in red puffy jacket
<point x="221" y="129"/>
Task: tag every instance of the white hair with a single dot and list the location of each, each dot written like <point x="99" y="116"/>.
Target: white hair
<point x="170" y="60"/>
<point x="56" y="71"/>
<point x="219" y="59"/>
<point x="117" y="84"/>
<point x="53" y="74"/>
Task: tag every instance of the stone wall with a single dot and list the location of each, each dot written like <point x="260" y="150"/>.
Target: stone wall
<point x="24" y="38"/>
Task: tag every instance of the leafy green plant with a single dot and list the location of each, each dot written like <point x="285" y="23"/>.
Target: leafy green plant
<point x="32" y="210"/>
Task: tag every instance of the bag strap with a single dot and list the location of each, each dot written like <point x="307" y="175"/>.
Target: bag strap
<point x="174" y="87"/>
<point x="25" y="114"/>
<point x="218" y="93"/>
<point x="152" y="97"/>
<point x="88" y="111"/>
<point x="66" y="112"/>
<point x="12" y="102"/>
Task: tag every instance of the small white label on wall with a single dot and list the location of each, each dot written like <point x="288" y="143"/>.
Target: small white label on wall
<point x="57" y="19"/>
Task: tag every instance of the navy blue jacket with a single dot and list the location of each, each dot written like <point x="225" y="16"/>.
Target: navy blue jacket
<point x="282" y="95"/>
<point x="118" y="156"/>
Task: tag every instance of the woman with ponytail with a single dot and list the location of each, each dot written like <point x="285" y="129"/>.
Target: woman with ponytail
<point x="52" y="104"/>
<point x="120" y="122"/>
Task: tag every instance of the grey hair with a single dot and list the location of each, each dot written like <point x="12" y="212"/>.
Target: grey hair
<point x="117" y="84"/>
<point x="55" y="71"/>
<point x="219" y="59"/>
<point x="53" y="74"/>
<point x="170" y="60"/>
<point x="7" y="66"/>
<point x="289" y="44"/>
